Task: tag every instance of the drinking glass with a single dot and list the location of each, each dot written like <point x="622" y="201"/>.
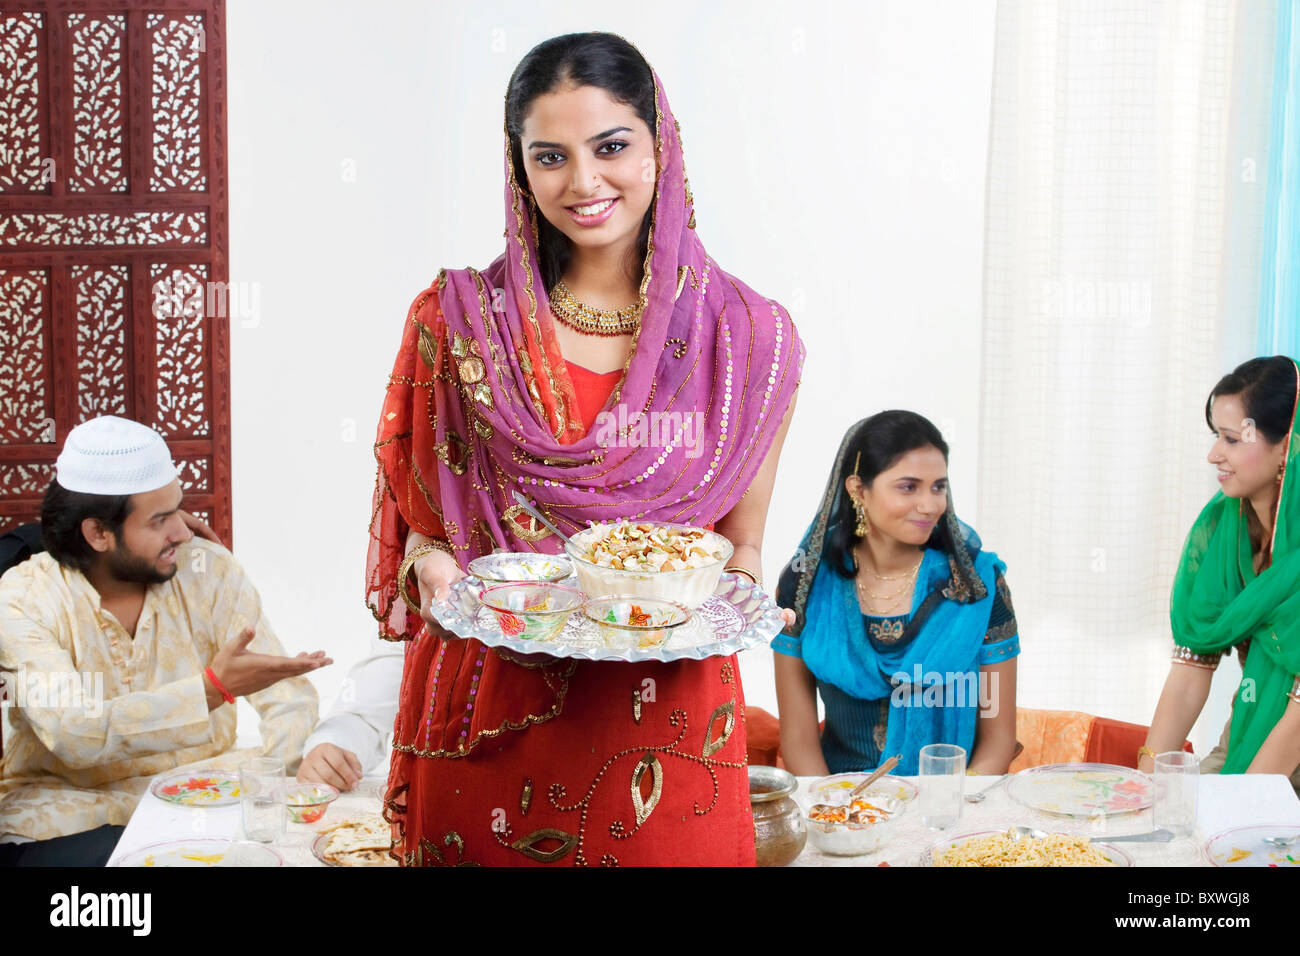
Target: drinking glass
<point x="1177" y="780"/>
<point x="263" y="797"/>
<point x="943" y="777"/>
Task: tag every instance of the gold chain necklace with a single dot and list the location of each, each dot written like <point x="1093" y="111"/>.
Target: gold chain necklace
<point x="871" y="599"/>
<point x="591" y="321"/>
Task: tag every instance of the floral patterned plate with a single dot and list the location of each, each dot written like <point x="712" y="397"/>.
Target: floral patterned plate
<point x="1082" y="789"/>
<point x="202" y="853"/>
<point x="190" y="789"/>
<point x="737" y="617"/>
<point x="1245" y="846"/>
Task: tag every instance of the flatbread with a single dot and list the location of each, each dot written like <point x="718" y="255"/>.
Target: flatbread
<point x="363" y="842"/>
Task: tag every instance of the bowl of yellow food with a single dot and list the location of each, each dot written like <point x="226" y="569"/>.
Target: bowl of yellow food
<point x="649" y="559"/>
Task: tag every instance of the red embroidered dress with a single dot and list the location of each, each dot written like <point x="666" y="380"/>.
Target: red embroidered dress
<point x="506" y="761"/>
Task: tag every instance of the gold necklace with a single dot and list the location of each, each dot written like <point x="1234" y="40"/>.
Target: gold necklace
<point x="893" y="577"/>
<point x="591" y="321"/>
<point x="888" y="600"/>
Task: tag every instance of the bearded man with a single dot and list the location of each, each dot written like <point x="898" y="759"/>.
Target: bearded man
<point x="123" y="648"/>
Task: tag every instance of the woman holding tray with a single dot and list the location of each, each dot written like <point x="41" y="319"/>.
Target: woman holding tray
<point x="903" y="623"/>
<point x="604" y="301"/>
<point x="1238" y="583"/>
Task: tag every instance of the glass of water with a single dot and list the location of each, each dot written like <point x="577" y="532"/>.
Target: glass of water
<point x="263" y="797"/>
<point x="943" y="777"/>
<point x="1177" y="780"/>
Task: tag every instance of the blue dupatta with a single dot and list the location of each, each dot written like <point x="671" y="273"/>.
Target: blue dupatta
<point x="932" y="680"/>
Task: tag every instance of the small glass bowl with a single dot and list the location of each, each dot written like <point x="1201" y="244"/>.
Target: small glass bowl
<point x="638" y="622"/>
<point x="691" y="587"/>
<point x="532" y="612"/>
<point x="521" y="567"/>
<point x="308" y="802"/>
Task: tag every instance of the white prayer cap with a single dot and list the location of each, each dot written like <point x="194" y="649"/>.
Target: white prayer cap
<point x="114" y="456"/>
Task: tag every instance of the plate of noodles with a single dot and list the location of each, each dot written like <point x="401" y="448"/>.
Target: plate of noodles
<point x="1000" y="848"/>
<point x="1082" y="789"/>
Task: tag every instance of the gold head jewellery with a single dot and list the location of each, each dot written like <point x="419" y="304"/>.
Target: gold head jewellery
<point x="591" y="321"/>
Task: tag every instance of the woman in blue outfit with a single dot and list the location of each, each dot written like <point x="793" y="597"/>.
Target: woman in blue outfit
<point x="902" y="623"/>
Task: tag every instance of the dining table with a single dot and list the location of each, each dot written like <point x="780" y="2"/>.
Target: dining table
<point x="1224" y="802"/>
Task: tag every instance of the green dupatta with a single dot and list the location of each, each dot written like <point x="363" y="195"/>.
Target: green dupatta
<point x="1218" y="601"/>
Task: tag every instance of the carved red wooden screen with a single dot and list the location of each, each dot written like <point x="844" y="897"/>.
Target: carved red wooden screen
<point x="113" y="237"/>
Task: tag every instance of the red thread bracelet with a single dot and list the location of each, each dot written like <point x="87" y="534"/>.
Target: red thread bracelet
<point x="221" y="688"/>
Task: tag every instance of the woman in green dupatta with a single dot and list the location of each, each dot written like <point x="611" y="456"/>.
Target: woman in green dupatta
<point x="1238" y="583"/>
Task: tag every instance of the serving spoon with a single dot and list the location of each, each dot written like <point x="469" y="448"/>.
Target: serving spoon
<point x="861" y="788"/>
<point x="1155" y="836"/>
<point x="537" y="515"/>
<point x="876" y="774"/>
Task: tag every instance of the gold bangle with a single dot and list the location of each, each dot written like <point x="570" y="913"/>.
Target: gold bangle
<point x="737" y="569"/>
<point x="404" y="570"/>
<point x="1145" y="751"/>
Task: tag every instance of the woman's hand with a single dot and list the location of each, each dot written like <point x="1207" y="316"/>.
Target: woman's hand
<point x="436" y="572"/>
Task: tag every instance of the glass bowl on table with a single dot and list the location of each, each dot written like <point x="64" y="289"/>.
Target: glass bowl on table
<point x="836" y="788"/>
<point x="636" y="622"/>
<point x="307" y="802"/>
<point x="536" y="612"/>
<point x="852" y="828"/>
<point x="650" y="559"/>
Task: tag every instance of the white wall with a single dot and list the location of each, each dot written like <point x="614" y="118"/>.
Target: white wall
<point x="836" y="152"/>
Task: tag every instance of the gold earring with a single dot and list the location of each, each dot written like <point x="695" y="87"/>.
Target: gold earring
<point x="864" y="523"/>
<point x="1281" y="472"/>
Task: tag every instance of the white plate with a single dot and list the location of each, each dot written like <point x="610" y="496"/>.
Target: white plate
<point x="1245" y="846"/>
<point x="737" y="617"/>
<point x="202" y="853"/>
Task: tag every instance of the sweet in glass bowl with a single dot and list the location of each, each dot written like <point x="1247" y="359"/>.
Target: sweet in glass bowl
<point x="635" y="622"/>
<point x="535" y="612"/>
<point x="650" y="559"/>
<point x="308" y="802"/>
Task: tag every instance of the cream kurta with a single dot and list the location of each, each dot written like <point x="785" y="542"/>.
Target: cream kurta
<point x="77" y="757"/>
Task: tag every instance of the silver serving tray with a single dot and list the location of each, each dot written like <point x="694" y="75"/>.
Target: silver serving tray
<point x="739" y="616"/>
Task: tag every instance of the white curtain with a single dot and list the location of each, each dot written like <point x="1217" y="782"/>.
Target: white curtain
<point x="1125" y="190"/>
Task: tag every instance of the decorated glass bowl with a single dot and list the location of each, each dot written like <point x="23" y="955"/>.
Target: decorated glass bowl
<point x="651" y="559"/>
<point x="847" y="828"/>
<point x="635" y="621"/>
<point x="535" y="612"/>
<point x="308" y="802"/>
<point x="520" y="567"/>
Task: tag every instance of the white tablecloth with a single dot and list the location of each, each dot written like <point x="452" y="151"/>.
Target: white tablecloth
<point x="157" y="821"/>
<point x="1224" y="802"/>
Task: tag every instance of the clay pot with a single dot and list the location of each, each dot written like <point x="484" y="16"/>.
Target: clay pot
<point x="779" y="828"/>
